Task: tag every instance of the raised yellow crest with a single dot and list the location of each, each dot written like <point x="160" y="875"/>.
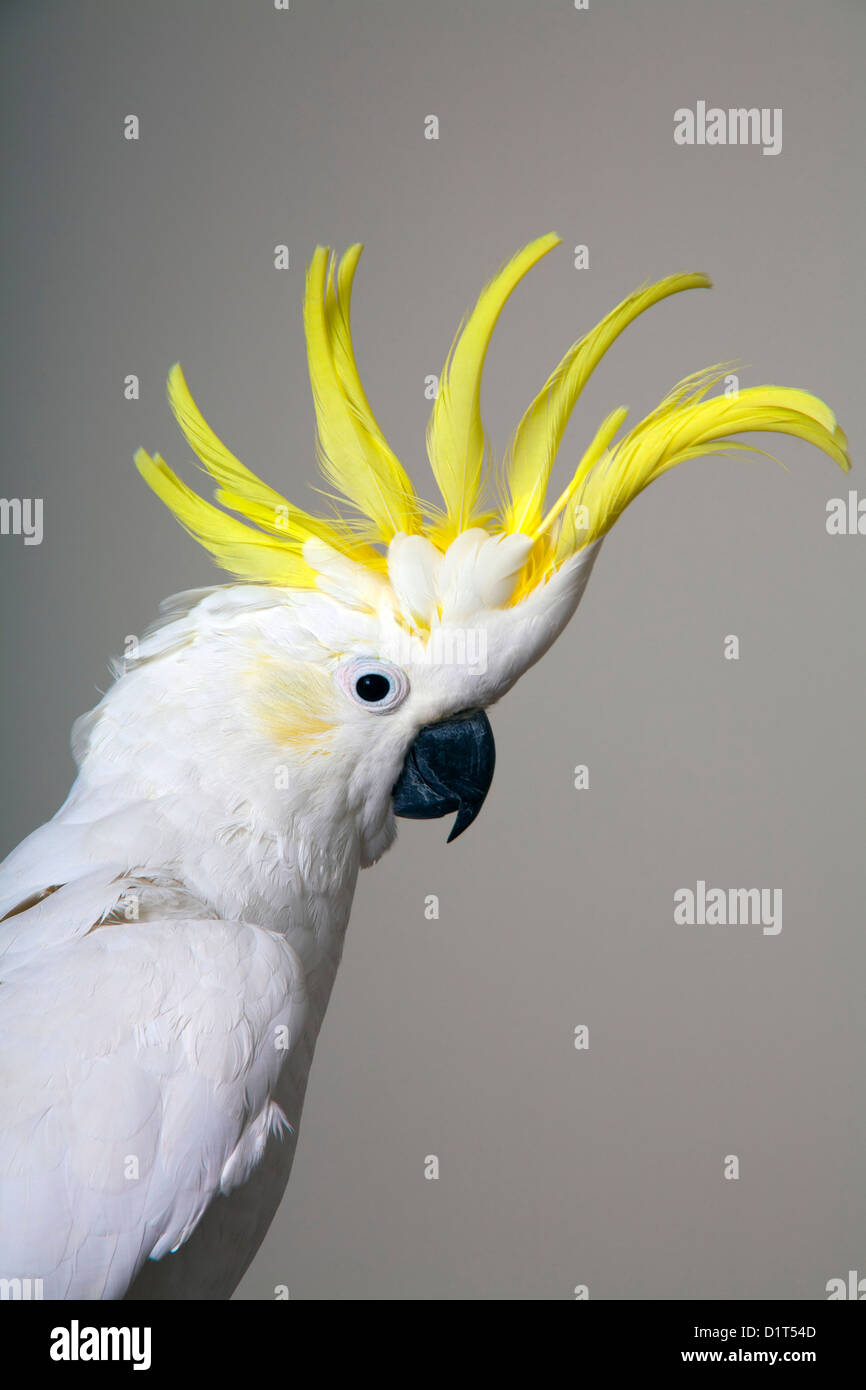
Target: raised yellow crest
<point x="268" y="546"/>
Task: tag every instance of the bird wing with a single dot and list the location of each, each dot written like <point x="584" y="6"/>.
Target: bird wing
<point x="138" y="1066"/>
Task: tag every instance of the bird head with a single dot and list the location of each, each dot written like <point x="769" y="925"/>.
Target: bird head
<point x="392" y="625"/>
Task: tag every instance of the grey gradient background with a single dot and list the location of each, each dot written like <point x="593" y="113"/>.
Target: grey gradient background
<point x="454" y="1037"/>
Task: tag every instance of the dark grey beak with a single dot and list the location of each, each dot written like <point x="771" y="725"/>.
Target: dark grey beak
<point x="448" y="768"/>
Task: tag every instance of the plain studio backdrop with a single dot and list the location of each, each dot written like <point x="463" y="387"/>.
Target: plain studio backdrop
<point x="455" y="1037"/>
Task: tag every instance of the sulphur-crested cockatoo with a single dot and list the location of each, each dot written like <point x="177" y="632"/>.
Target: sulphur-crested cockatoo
<point x="170" y="939"/>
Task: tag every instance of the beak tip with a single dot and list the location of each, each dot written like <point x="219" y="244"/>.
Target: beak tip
<point x="465" y="816"/>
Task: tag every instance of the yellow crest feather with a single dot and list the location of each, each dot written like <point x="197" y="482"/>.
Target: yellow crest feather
<point x="455" y="435"/>
<point x="538" y="436"/>
<point x="688" y="425"/>
<point x="353" y="453"/>
<point x="268" y="546"/>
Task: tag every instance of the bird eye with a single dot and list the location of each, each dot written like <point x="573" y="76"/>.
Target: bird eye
<point x="375" y="685"/>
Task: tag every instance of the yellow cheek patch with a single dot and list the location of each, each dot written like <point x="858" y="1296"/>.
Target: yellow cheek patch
<point x="294" y="704"/>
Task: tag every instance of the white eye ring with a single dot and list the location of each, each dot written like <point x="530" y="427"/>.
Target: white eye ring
<point x="377" y="686"/>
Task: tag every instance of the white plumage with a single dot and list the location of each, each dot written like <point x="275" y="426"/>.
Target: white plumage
<point x="169" y="940"/>
<point x="166" y="989"/>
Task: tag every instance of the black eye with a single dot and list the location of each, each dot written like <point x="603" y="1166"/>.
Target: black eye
<point x="373" y="687"/>
<point x="377" y="686"/>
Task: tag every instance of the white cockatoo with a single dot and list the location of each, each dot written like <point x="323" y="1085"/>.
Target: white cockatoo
<point x="170" y="938"/>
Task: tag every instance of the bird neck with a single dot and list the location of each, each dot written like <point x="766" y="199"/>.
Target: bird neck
<point x="176" y="785"/>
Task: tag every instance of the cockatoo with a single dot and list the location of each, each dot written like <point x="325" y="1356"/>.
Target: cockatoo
<point x="170" y="938"/>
